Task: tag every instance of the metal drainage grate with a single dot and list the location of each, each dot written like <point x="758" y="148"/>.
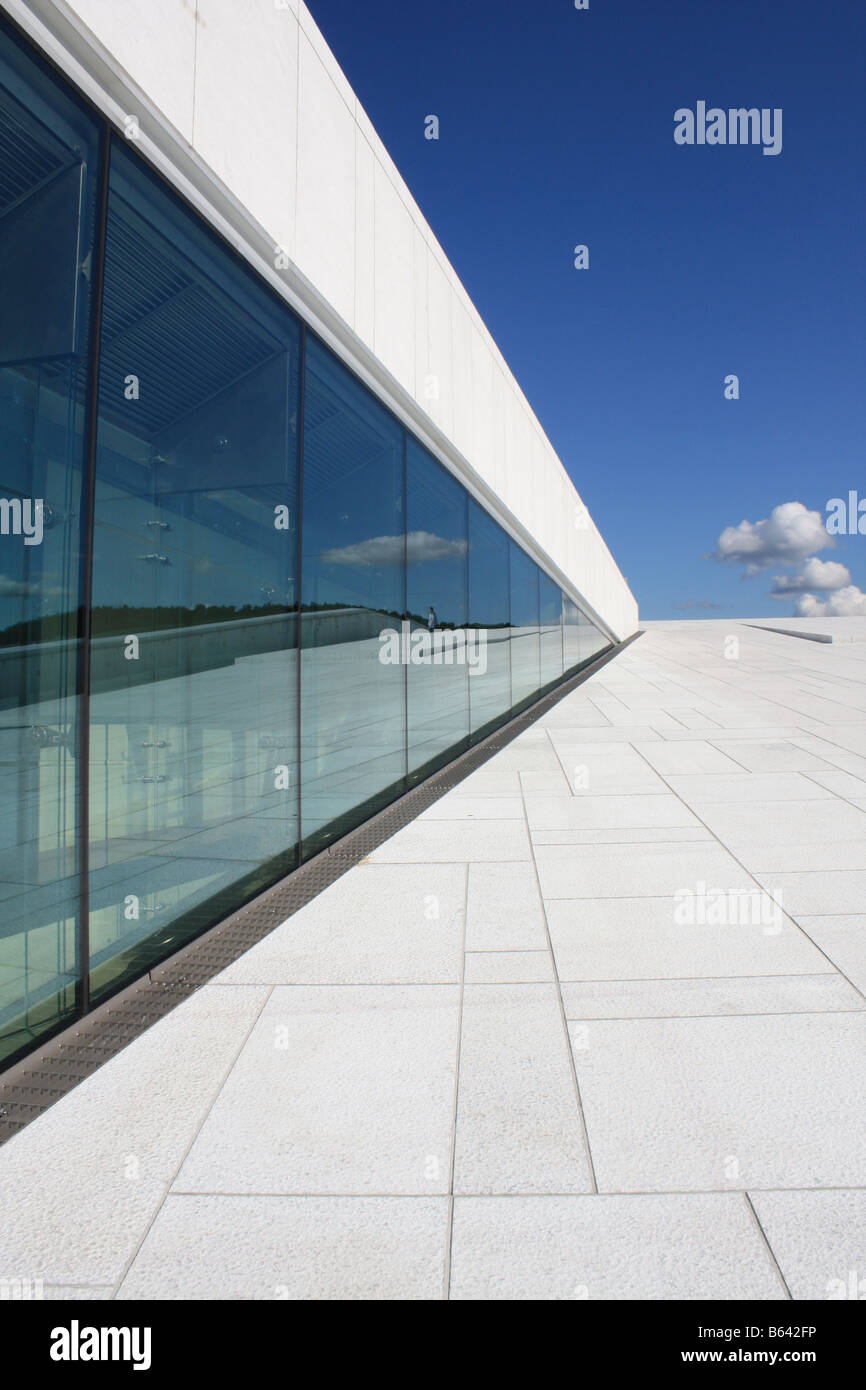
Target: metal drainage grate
<point x="32" y="1085"/>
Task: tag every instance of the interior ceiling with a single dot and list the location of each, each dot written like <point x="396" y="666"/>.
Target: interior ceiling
<point x="28" y="152"/>
<point x="170" y="328"/>
<point x="337" y="443"/>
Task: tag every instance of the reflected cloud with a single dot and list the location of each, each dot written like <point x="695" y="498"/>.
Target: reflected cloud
<point x="421" y="546"/>
<point x="20" y="588"/>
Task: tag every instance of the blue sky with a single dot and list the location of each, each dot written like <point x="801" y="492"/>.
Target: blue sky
<point x="556" y="128"/>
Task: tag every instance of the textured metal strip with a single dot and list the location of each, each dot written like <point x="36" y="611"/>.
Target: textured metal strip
<point x="30" y="1086"/>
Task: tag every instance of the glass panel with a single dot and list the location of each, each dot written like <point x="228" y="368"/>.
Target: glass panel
<point x="489" y="611"/>
<point x="592" y="641"/>
<point x="49" y="161"/>
<point x="193" y="784"/>
<point x="194" y="773"/>
<point x="551" y="630"/>
<point x="353" y="706"/>
<point x="570" y="633"/>
<point x="525" y="673"/>
<point x="434" y="642"/>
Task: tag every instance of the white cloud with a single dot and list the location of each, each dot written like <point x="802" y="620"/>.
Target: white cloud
<point x="20" y="588"/>
<point x="422" y="545"/>
<point x="786" y="536"/>
<point x="378" y="550"/>
<point x="845" y="603"/>
<point x="388" y="550"/>
<point x="823" y="575"/>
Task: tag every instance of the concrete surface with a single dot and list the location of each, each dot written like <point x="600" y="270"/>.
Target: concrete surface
<point x="593" y="1026"/>
<point x="816" y="629"/>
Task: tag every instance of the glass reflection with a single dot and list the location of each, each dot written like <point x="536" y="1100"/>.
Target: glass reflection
<point x="570" y="633"/>
<point x="437" y="673"/>
<point x="525" y="662"/>
<point x="353" y="707"/>
<point x="49" y="169"/>
<point x="550" y="639"/>
<point x="489" y="612"/>
<point x="242" y="715"/>
<point x="193" y="779"/>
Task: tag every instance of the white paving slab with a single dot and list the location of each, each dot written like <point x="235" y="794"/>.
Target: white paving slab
<point x="454" y="806"/>
<point x="602" y="812"/>
<point x="625" y="734"/>
<point x="713" y="788"/>
<point x="817" y="892"/>
<point x="455" y="841"/>
<point x="843" y="941"/>
<point x="606" y="769"/>
<point x="842" y="783"/>
<point x="518" y="1121"/>
<point x="773" y="858"/>
<point x="766" y="755"/>
<point x="548" y="1036"/>
<point x="602" y="1247"/>
<point x="507" y="967"/>
<point x="293" y="1248"/>
<point x="700" y="998"/>
<point x="642" y="938"/>
<point x="414" y="922"/>
<point x="344" y="1090"/>
<point x="647" y="870"/>
<point x="669" y="835"/>
<point x="704" y="1103"/>
<point x="61" y="1293"/>
<point x="89" y="1175"/>
<point x="686" y="756"/>
<point x="504" y="909"/>
<point x="795" y="823"/>
<point x="555" y="784"/>
<point x="819" y="1241"/>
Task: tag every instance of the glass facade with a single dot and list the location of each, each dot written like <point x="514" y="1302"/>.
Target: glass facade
<point x="490" y="614"/>
<point x="353" y="720"/>
<point x="524" y="577"/>
<point x="437" y="611"/>
<point x="241" y="607"/>
<point x="193" y="654"/>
